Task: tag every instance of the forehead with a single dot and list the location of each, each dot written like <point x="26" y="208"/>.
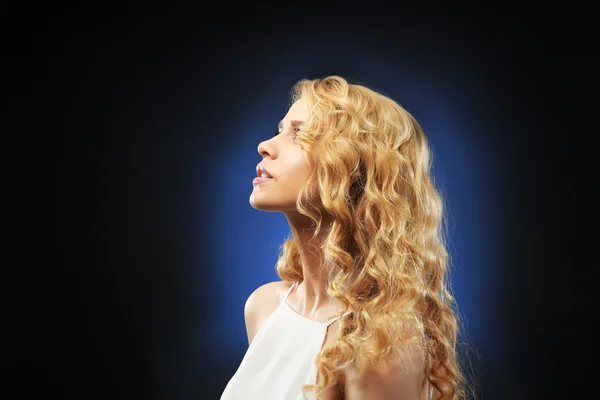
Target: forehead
<point x="298" y="111"/>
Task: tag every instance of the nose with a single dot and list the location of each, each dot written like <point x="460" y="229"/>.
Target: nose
<point x="266" y="149"/>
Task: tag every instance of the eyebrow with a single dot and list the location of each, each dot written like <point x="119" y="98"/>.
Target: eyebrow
<point x="293" y="123"/>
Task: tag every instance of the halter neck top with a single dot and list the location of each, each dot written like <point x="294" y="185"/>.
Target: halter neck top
<point x="281" y="358"/>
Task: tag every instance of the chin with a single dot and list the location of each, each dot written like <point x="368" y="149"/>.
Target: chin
<point x="258" y="204"/>
<point x="262" y="205"/>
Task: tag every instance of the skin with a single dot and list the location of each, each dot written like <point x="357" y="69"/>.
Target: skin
<point x="285" y="161"/>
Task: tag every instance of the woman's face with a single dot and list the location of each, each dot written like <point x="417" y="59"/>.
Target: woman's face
<point x="285" y="162"/>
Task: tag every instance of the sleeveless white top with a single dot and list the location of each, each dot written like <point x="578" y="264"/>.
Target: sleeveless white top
<point x="280" y="358"/>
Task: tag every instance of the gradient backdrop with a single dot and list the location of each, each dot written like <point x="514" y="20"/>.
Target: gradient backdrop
<point x="150" y="130"/>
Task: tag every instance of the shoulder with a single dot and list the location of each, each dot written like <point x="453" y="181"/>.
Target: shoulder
<point x="261" y="303"/>
<point x="405" y="379"/>
<point x="266" y="295"/>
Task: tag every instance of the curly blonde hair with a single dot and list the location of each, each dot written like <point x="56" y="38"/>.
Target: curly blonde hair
<point x="385" y="252"/>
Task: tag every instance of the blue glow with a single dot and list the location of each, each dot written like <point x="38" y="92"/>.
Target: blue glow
<point x="244" y="242"/>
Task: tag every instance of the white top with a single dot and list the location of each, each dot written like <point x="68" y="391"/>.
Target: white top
<point x="280" y="358"/>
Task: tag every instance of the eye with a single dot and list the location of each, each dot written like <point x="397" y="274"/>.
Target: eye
<point x="296" y="130"/>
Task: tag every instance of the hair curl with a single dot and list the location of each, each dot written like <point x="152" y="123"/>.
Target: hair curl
<point x="385" y="251"/>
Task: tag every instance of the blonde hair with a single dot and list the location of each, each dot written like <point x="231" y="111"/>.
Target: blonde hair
<point x="385" y="252"/>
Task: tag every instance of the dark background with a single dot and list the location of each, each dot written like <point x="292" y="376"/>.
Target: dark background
<point x="107" y="320"/>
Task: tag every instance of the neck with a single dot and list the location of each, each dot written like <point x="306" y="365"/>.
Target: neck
<point x="312" y="291"/>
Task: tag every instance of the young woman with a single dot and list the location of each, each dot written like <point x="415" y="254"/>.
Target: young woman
<point x="363" y="309"/>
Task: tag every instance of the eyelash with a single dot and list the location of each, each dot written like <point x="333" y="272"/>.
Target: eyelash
<point x="296" y="130"/>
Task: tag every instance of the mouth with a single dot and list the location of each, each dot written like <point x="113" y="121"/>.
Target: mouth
<point x="261" y="172"/>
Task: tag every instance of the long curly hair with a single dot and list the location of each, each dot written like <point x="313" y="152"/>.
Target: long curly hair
<point x="384" y="251"/>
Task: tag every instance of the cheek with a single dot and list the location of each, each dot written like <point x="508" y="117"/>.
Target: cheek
<point x="300" y="171"/>
<point x="300" y="168"/>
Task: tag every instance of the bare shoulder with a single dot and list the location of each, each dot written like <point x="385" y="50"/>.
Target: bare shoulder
<point x="266" y="295"/>
<point x="261" y="303"/>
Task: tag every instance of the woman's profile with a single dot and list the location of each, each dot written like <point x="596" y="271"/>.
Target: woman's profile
<point x="363" y="308"/>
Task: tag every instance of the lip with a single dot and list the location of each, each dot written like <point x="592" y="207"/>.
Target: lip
<point x="262" y="170"/>
<point x="260" y="179"/>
